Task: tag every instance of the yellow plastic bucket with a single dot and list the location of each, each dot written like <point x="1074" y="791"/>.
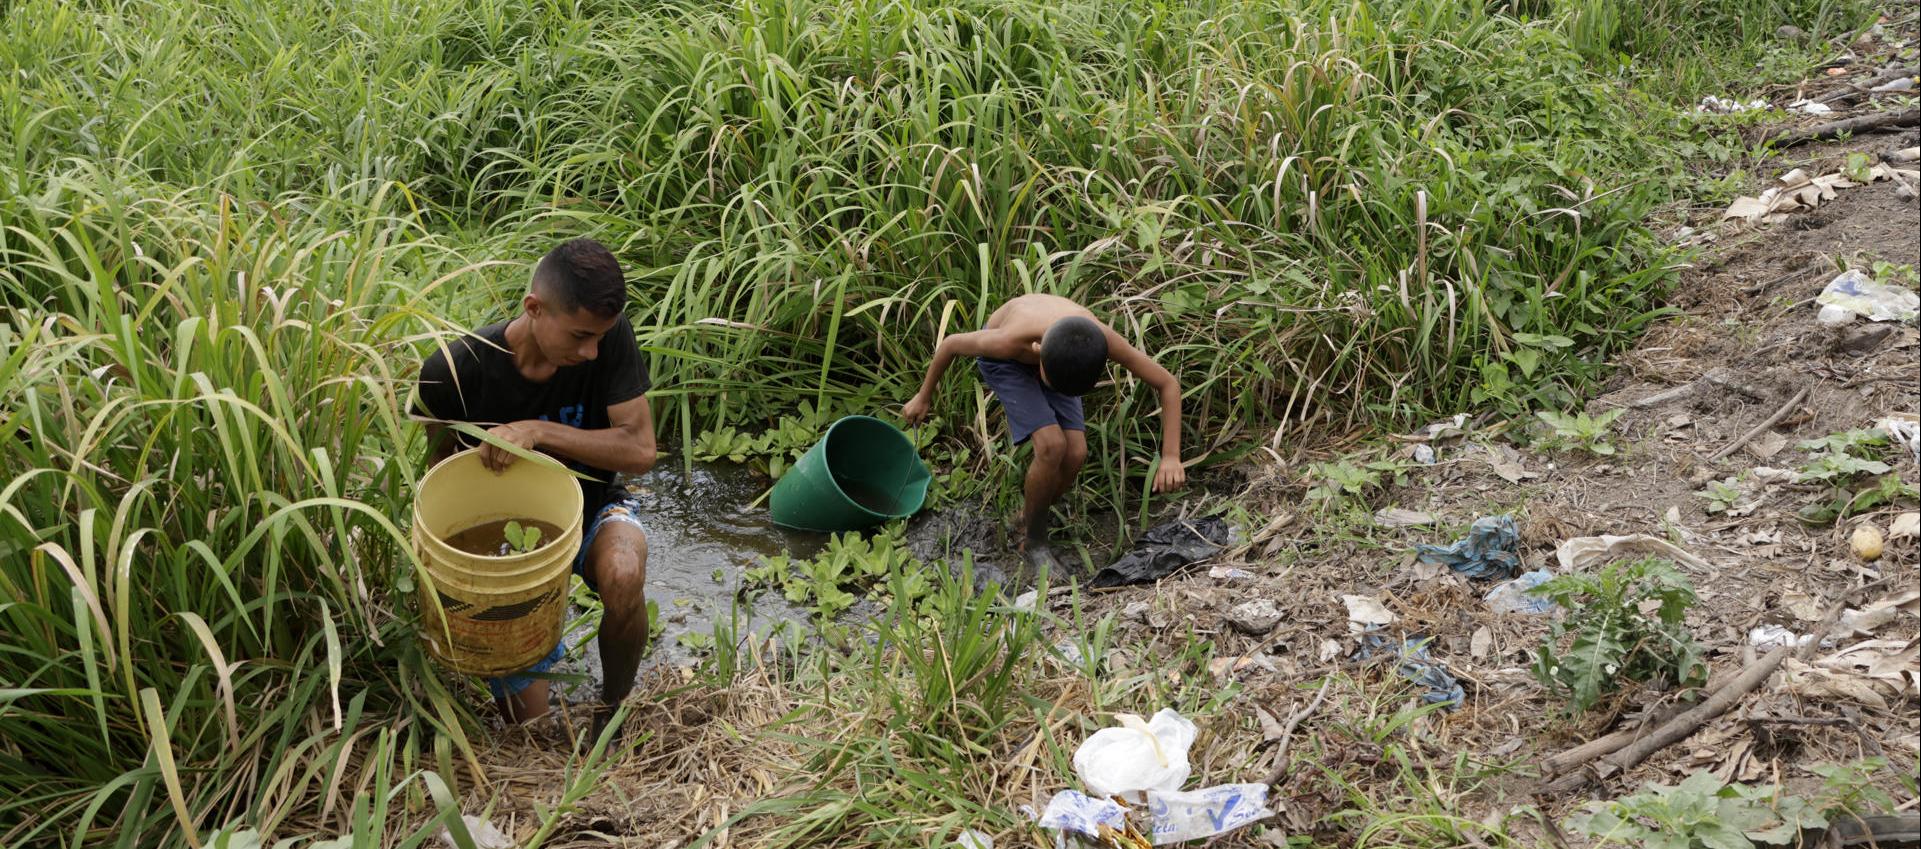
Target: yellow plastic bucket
<point x="495" y="615"/>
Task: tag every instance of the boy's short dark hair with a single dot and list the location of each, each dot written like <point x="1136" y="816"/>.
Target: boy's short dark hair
<point x="582" y="274"/>
<point x="1073" y="355"/>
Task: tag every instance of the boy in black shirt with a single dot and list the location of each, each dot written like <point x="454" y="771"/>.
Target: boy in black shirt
<point x="564" y="377"/>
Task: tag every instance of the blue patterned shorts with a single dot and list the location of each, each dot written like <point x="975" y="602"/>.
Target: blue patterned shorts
<point x="624" y="510"/>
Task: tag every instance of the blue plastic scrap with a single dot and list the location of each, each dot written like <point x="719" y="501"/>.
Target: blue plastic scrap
<point x="1078" y="813"/>
<point x="1415" y="665"/>
<point x="1516" y="596"/>
<point x="1487" y="552"/>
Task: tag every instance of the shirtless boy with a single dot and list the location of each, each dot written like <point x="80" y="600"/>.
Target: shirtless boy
<point x="1040" y="354"/>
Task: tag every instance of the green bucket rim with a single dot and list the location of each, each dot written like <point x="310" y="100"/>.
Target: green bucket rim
<point x="829" y="437"/>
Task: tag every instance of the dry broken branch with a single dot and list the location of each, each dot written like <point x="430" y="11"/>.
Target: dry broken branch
<point x="1856" y="125"/>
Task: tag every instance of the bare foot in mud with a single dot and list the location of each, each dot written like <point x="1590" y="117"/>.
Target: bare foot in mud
<point x="1039" y="555"/>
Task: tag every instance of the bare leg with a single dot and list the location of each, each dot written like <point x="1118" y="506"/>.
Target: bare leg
<point x="617" y="563"/>
<point x="1043" y="485"/>
<point x="530" y="703"/>
<point x="1073" y="457"/>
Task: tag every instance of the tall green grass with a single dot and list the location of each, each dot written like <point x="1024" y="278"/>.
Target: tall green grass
<point x="204" y="465"/>
<point x="227" y="228"/>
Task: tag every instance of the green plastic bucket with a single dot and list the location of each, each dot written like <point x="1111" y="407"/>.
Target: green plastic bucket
<point x="862" y="473"/>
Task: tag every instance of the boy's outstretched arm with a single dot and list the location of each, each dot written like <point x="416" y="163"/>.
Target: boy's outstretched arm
<point x="971" y="344"/>
<point x="1172" y="474"/>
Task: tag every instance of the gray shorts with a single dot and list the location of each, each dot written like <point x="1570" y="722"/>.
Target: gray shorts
<point x="1030" y="405"/>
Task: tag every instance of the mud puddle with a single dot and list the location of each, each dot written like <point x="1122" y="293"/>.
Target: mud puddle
<point x="702" y="534"/>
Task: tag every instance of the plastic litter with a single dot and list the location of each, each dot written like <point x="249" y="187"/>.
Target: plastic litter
<point x="1513" y="596"/>
<point x="1396" y="517"/>
<point x="1904" y="429"/>
<point x="1196" y="814"/>
<point x="1165" y="548"/>
<point x="1134" y="757"/>
<point x="1581" y="552"/>
<point x="1424" y="454"/>
<point x="1069" y="652"/>
<point x="1415" y="665"/>
<point x="1811" y="107"/>
<point x="485" y="835"/>
<point x="971" y="839"/>
<point x="1076" y="812"/>
<point x="1728" y="105"/>
<point x="1902" y="84"/>
<point x="1487" y="552"/>
<point x="1769" y="637"/>
<point x="1834" y="316"/>
<point x="1854" y="291"/>
<point x="1229" y="573"/>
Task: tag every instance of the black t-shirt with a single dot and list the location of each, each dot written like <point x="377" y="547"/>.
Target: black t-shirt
<point x="484" y="387"/>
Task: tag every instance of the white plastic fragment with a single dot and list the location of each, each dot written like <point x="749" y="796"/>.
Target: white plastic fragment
<point x="1399" y="517"/>
<point x="1854" y="291"/>
<point x="1904" y="429"/>
<point x="1770" y="637"/>
<point x="1513" y="596"/>
<point x="485" y="835"/>
<point x="1579" y="553"/>
<point x="1727" y="105"/>
<point x="1366" y="613"/>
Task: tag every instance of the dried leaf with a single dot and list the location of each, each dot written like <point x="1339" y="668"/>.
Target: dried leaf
<point x="1905" y="526"/>
<point x="1766" y="445"/>
<point x="1365" y="612"/>
<point x="1270" y="729"/>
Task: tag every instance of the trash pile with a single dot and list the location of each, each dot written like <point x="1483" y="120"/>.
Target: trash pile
<point x="1133" y="774"/>
<point x="1799" y="191"/>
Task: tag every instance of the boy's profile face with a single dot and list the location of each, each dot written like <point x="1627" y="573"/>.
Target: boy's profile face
<point x="566" y="338"/>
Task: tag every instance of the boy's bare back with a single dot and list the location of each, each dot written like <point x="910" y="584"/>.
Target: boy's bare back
<point x="1020" y="323"/>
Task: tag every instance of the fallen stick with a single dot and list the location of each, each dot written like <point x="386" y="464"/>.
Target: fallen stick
<point x="1279" y="771"/>
<point x="1882" y="832"/>
<point x="1678" y="728"/>
<point x="1663" y="397"/>
<point x="1561" y="762"/>
<point x="1607" y="744"/>
<point x="1866" y="86"/>
<point x="1855" y="125"/>
<point x="1725" y="382"/>
<point x="1759" y="429"/>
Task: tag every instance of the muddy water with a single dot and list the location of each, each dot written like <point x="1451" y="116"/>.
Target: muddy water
<point x="701" y="535"/>
<point x="489" y="539"/>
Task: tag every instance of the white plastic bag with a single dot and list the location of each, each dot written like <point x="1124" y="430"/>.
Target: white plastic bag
<point x="1179" y="817"/>
<point x="1136" y="756"/>
<point x="1856" y="292"/>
